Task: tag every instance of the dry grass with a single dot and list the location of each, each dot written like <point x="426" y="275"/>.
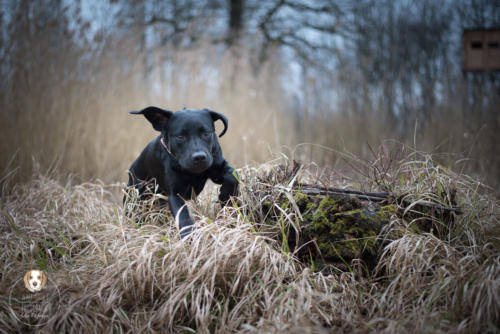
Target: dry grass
<point x="70" y="108"/>
<point x="115" y="276"/>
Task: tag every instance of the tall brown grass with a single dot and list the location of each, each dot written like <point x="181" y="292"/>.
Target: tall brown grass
<point x="70" y="109"/>
<point x="459" y="135"/>
<point x="60" y="113"/>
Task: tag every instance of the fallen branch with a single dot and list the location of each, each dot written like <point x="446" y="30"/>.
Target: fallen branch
<point x="378" y="197"/>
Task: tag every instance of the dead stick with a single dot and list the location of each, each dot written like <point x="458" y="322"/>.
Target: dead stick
<point x="347" y="191"/>
<point x="310" y="191"/>
<point x="370" y="196"/>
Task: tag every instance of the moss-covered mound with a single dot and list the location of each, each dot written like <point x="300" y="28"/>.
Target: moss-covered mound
<point x="324" y="225"/>
<point x="334" y="230"/>
<point x="343" y="229"/>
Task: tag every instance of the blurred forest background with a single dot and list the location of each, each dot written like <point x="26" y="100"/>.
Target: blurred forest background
<point x="302" y="77"/>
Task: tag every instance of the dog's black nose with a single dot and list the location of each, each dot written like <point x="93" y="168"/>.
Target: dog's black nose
<point x="199" y="156"/>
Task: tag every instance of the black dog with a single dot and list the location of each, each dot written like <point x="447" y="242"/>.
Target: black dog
<point x="182" y="158"/>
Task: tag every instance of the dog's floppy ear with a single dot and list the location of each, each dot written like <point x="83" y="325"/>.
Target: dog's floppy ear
<point x="156" y="116"/>
<point x="216" y="116"/>
<point x="26" y="282"/>
<point x="44" y="279"/>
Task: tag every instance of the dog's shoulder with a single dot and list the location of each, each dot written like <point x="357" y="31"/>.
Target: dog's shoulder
<point x="153" y="151"/>
<point x="149" y="163"/>
<point x="154" y="147"/>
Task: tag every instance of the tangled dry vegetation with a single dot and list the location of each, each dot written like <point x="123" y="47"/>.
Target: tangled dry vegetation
<point x="237" y="274"/>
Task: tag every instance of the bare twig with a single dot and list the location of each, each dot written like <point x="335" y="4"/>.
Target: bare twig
<point x="378" y="197"/>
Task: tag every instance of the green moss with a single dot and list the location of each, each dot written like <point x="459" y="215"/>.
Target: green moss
<point x="343" y="228"/>
<point x="334" y="229"/>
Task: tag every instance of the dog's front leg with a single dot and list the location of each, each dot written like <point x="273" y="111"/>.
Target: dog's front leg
<point x="229" y="185"/>
<point x="185" y="223"/>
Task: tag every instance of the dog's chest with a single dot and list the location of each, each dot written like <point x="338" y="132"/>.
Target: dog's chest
<point x="190" y="186"/>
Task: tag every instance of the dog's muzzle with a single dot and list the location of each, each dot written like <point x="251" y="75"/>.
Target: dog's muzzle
<point x="198" y="162"/>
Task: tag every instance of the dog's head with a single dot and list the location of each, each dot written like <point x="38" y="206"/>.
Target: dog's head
<point x="189" y="135"/>
<point x="34" y="280"/>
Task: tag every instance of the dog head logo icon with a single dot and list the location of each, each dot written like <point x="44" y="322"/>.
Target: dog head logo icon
<point x="34" y="280"/>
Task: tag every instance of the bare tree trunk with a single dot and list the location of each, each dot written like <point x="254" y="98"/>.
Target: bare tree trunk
<point x="236" y="9"/>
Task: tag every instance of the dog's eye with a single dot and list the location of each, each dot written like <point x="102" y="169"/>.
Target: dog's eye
<point x="206" y="134"/>
<point x="180" y="138"/>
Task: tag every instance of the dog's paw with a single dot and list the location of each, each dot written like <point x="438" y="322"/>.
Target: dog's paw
<point x="186" y="232"/>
